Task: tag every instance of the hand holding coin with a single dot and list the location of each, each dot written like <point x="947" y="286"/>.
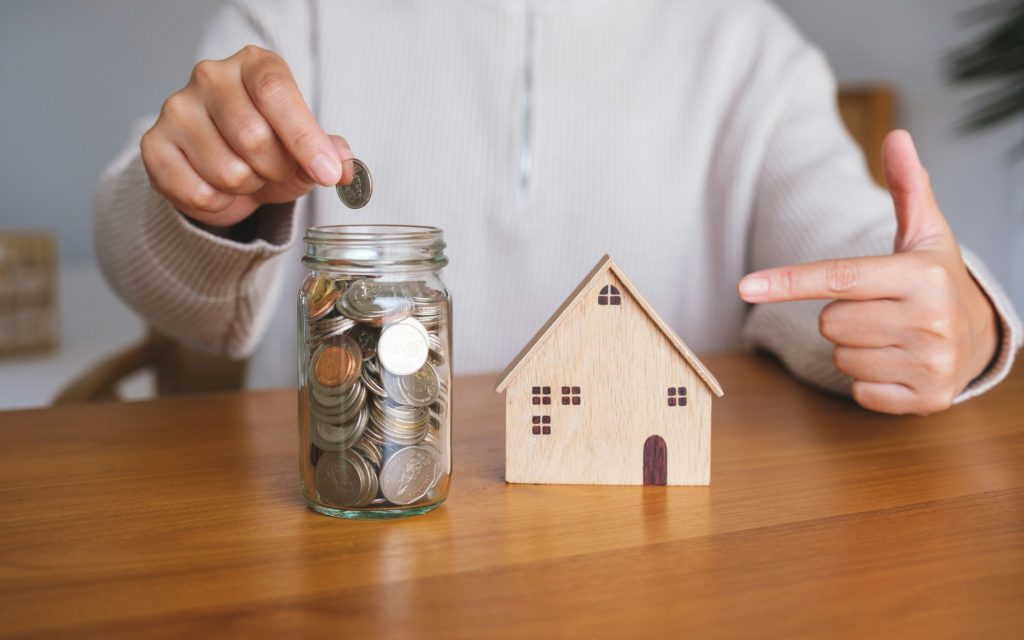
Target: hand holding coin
<point x="240" y="135"/>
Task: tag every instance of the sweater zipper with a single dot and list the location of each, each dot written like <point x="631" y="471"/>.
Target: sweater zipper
<point x="526" y="111"/>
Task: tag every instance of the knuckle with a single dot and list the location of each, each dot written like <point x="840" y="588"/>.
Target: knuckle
<point x="934" y="276"/>
<point x="151" y="160"/>
<point x="940" y="365"/>
<point x="305" y="139"/>
<point x="783" y="282"/>
<point x="939" y="325"/>
<point x="235" y="176"/>
<point x="865" y="398"/>
<point x="254" y="51"/>
<point x="840" y="275"/>
<point x="272" y="85"/>
<point x="255" y="136"/>
<point x="205" y="72"/>
<point x="202" y="197"/>
<point x="176" y="107"/>
<point x="839" y="358"/>
<point x="828" y="322"/>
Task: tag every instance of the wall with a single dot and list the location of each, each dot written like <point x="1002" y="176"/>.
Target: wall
<point x="76" y="72"/>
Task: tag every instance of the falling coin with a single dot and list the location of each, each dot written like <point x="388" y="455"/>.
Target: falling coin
<point x="356" y="193"/>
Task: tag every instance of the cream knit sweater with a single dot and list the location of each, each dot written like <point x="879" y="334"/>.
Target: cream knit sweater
<point x="693" y="141"/>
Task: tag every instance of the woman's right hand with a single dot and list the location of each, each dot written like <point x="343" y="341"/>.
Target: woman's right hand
<point x="239" y="135"/>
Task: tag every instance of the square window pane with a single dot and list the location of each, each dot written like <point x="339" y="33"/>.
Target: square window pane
<point x="671" y="391"/>
<point x="575" y="400"/>
<point x="536" y="389"/>
<point x="575" y="389"/>
<point x="547" y="431"/>
<point x="565" y="399"/>
<point x="547" y="389"/>
<point x="536" y="431"/>
<point x="671" y="402"/>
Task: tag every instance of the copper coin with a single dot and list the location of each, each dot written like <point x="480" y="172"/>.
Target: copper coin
<point x="338" y="365"/>
<point x="319" y="308"/>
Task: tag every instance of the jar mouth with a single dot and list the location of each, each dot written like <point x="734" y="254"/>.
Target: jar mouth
<point x="375" y="233"/>
<point x="365" y="248"/>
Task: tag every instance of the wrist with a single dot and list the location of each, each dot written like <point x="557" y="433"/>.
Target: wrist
<point x="985" y="334"/>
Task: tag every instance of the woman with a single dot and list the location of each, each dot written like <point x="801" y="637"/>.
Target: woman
<point x="692" y="141"/>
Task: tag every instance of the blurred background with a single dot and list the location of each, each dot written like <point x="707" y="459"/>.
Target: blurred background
<point x="76" y="73"/>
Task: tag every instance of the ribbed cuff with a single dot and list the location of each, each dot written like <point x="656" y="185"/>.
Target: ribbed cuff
<point x="1010" y="331"/>
<point x="211" y="292"/>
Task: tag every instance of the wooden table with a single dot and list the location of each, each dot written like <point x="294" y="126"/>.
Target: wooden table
<point x="182" y="518"/>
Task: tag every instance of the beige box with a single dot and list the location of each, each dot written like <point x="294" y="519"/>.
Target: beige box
<point x="28" y="292"/>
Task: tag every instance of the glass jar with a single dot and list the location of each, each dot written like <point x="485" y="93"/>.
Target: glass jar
<point x="374" y="371"/>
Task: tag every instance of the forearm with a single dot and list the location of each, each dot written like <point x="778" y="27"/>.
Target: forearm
<point x="212" y="292"/>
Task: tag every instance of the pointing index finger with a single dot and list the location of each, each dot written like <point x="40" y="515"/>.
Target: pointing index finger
<point x="845" y="279"/>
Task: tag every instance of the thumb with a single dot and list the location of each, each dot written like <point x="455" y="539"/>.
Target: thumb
<point x="919" y="221"/>
<point x="345" y="153"/>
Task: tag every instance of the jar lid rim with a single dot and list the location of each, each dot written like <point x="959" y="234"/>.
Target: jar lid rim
<point x="378" y="232"/>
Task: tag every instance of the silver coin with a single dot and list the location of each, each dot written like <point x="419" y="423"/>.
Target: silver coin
<point x="339" y="480"/>
<point x="403" y="347"/>
<point x="356" y="194"/>
<point x="374" y="302"/>
<point x="371" y="380"/>
<point x="409" y="474"/>
<point x="366" y="337"/>
<point x="419" y="389"/>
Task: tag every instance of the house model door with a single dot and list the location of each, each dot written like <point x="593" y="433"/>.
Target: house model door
<point x="655" y="461"/>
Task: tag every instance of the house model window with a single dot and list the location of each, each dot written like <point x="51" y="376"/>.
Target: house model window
<point x="677" y="396"/>
<point x="609" y="295"/>
<point x="571" y="395"/>
<point x="541" y="425"/>
<point x="542" y="395"/>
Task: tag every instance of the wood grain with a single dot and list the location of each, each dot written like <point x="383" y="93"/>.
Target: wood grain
<point x="183" y="518"/>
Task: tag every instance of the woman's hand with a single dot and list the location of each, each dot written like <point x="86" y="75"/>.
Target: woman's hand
<point x="237" y="136"/>
<point x="912" y="328"/>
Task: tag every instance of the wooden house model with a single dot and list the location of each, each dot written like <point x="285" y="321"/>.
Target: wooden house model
<point x="607" y="393"/>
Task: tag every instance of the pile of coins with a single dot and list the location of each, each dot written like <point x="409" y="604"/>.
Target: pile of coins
<point x="374" y="404"/>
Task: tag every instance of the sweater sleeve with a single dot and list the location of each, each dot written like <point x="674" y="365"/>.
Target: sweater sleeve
<point x="205" y="289"/>
<point x="815" y="200"/>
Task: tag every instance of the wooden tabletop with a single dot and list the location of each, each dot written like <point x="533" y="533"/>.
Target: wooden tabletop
<point x="183" y="518"/>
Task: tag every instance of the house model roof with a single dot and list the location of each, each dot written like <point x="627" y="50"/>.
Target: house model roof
<point x="605" y="264"/>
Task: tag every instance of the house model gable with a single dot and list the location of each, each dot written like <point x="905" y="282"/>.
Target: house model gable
<point x="607" y="393"/>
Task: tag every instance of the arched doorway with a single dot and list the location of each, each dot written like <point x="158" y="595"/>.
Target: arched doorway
<point x="655" y="461"/>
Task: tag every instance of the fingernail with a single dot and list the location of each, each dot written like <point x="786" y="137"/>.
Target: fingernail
<point x="753" y="287"/>
<point x="326" y="171"/>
